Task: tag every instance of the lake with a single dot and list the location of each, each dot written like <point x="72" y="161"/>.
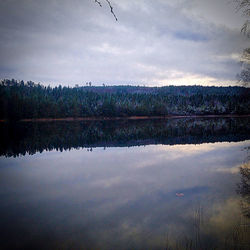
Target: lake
<point x="148" y="184"/>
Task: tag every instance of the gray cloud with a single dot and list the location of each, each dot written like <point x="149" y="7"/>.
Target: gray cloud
<point x="153" y="43"/>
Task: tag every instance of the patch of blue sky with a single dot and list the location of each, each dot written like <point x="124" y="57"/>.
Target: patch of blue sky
<point x="190" y="36"/>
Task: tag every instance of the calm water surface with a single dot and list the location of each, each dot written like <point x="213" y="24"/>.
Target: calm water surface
<point x="106" y="195"/>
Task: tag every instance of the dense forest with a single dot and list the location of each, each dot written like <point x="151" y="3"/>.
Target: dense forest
<point x="26" y="100"/>
<point x="20" y="138"/>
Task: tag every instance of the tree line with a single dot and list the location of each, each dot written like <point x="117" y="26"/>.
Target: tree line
<point x="27" y="100"/>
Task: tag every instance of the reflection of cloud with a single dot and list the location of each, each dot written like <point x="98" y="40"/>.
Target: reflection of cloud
<point x="218" y="145"/>
<point x="190" y="149"/>
<point x="233" y="170"/>
<point x="124" y="195"/>
<point x="219" y="223"/>
<point x="225" y="215"/>
<point x="107" y="182"/>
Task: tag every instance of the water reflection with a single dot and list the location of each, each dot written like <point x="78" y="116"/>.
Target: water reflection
<point x="244" y="188"/>
<point x="23" y="137"/>
<point x="124" y="198"/>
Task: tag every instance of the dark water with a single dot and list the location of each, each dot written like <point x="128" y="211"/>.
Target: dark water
<point x="167" y="184"/>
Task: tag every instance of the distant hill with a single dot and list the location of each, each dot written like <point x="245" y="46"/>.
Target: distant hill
<point x="20" y="100"/>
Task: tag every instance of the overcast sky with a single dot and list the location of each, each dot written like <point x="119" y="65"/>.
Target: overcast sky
<point x="153" y="43"/>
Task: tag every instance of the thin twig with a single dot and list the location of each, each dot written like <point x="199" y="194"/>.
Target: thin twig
<point x="96" y="1"/>
<point x="111" y="9"/>
<point x="110" y="6"/>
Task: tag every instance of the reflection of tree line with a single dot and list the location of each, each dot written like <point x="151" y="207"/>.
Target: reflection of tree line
<point x="28" y="137"/>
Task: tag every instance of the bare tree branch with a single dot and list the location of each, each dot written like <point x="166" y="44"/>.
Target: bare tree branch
<point x="244" y="76"/>
<point x="111" y="9"/>
<point x="244" y="6"/>
<point x="96" y="1"/>
<point x="110" y="6"/>
<point x="246" y="28"/>
<point x="244" y="189"/>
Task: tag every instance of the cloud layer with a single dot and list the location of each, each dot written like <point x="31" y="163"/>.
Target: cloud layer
<point x="153" y="43"/>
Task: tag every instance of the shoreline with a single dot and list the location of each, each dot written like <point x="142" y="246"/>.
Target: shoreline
<point x="125" y="118"/>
